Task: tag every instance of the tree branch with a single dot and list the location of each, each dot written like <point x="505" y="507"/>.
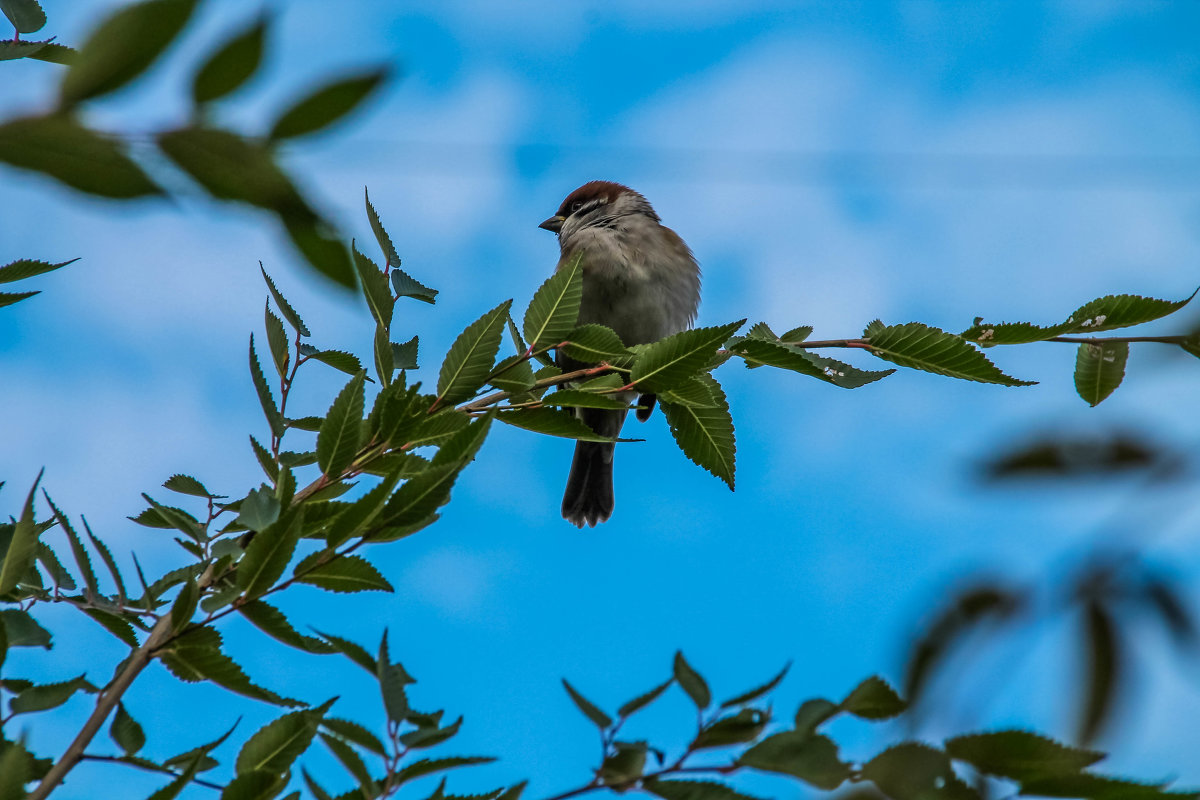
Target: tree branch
<point x="105" y="703"/>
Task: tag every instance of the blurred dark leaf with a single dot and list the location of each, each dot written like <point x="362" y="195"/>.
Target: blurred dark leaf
<point x="1059" y="455"/>
<point x="964" y="614"/>
<point x="60" y="147"/>
<point x="1101" y="645"/>
<point x="123" y="46"/>
<point x="1020" y="755"/>
<point x="326" y="105"/>
<point x="230" y="66"/>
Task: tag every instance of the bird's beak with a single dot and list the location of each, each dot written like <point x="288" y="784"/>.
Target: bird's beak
<point x="553" y="224"/>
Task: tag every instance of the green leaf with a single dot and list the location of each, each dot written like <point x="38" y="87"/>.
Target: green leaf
<point x="403" y="283"/>
<point x="643" y="700"/>
<point x="341" y="433"/>
<point x="392" y="679"/>
<point x="1102" y="314"/>
<point x="353" y="764"/>
<point x="1101" y="787"/>
<point x="230" y="66"/>
<point x="554" y="309"/>
<point x="338" y="359"/>
<point x="423" y="494"/>
<point x="874" y="699"/>
<point x="26" y="16"/>
<point x="664" y="364"/>
<point x="620" y="768"/>
<point x="430" y="766"/>
<point x="1099" y="370"/>
<point x="385" y="364"/>
<point x="1104" y="662"/>
<point x="185" y="605"/>
<point x="265" y="460"/>
<point x="470" y="359"/>
<point x="513" y="374"/>
<point x="776" y="354"/>
<point x="123" y="46"/>
<point x="353" y="732"/>
<point x="186" y="484"/>
<point x="274" y="623"/>
<point x="589" y="709"/>
<point x="705" y="435"/>
<point x="58" y="573"/>
<point x="117" y="625"/>
<point x="277" y="340"/>
<point x="758" y="691"/>
<point x="60" y="147"/>
<point x="692" y="790"/>
<point x="9" y="298"/>
<point x="813" y="713"/>
<point x="269" y="553"/>
<point x="692" y="682"/>
<point x="404" y="356"/>
<point x="355" y="652"/>
<point x="575" y="398"/>
<point x="357" y="517"/>
<point x="196" y="655"/>
<point x="274" y="418"/>
<point x="375" y="289"/>
<point x="259" y="510"/>
<point x="56" y="54"/>
<point x="344" y="574"/>
<point x="429" y="737"/>
<point x="126" y="731"/>
<point x="22" y="548"/>
<point x="551" y="422"/>
<point x="930" y="349"/>
<point x="326" y="105"/>
<point x="744" y="726"/>
<point x="276" y="746"/>
<point x="914" y="771"/>
<point x="253" y="785"/>
<point x="1020" y="755"/>
<point x="23" y="630"/>
<point x="11" y="50"/>
<point x="811" y="757"/>
<point x="46" y="696"/>
<point x="25" y="268"/>
<point x="285" y="307"/>
<point x="694" y="393"/>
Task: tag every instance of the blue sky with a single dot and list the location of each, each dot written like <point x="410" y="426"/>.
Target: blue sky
<point x="829" y="163"/>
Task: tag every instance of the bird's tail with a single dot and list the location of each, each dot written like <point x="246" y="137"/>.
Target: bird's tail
<point x="588" y="499"/>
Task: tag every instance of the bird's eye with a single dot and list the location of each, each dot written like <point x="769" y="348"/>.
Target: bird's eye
<point x="578" y="204"/>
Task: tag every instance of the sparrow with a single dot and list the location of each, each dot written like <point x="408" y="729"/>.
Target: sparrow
<point x="641" y="280"/>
